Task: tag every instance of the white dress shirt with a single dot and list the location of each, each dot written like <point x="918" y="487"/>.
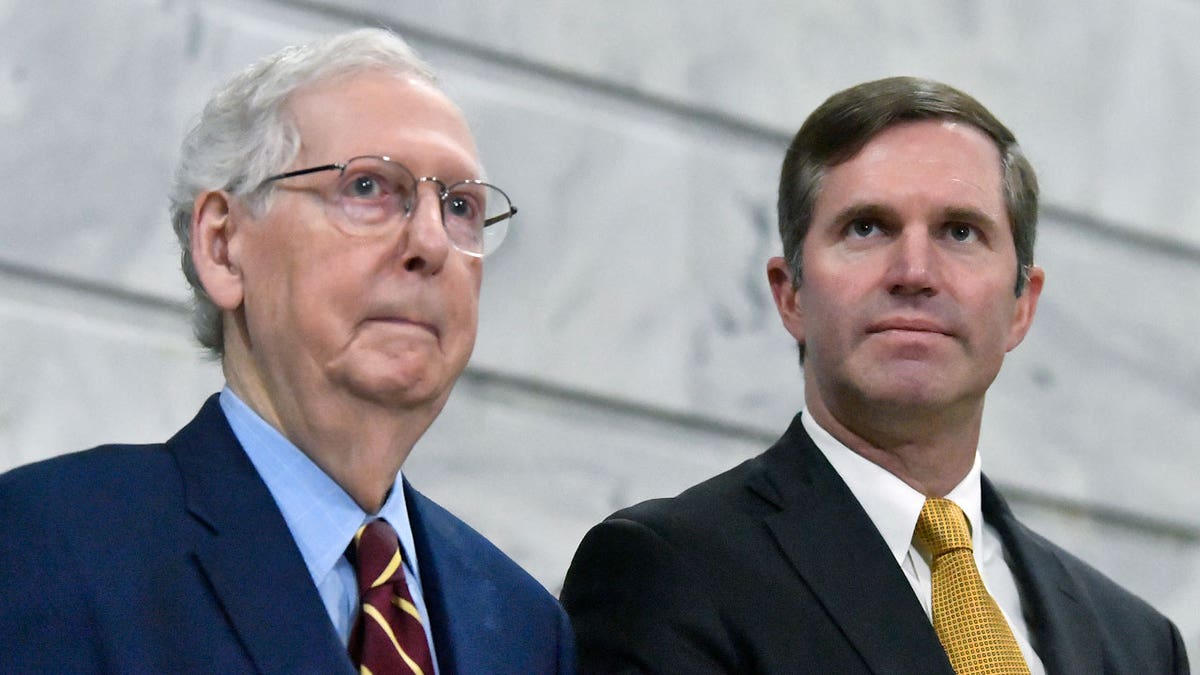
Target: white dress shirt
<point x="894" y="506"/>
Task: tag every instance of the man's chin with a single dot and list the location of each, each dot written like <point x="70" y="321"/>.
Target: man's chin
<point x="911" y="384"/>
<point x="406" y="396"/>
<point x="401" y="378"/>
<point x="398" y="389"/>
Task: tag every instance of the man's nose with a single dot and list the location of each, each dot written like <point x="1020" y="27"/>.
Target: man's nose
<point x="424" y="243"/>
<point x="913" y="267"/>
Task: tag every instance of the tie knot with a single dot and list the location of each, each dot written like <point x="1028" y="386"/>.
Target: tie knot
<point x="377" y="554"/>
<point x="942" y="527"/>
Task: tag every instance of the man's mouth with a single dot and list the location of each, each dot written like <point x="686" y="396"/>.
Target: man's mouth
<point x="400" y="321"/>
<point x="910" y="325"/>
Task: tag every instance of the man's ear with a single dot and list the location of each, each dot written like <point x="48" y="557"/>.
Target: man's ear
<point x="216" y="249"/>
<point x="1026" y="306"/>
<point x="779" y="276"/>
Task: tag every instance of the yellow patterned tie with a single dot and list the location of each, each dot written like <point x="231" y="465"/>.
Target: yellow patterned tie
<point x="968" y="622"/>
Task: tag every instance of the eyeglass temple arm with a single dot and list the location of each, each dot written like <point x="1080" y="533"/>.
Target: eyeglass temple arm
<point x="304" y="172"/>
<point x="512" y="211"/>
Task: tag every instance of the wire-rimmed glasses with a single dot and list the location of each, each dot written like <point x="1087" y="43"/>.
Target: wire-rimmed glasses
<point x="372" y="189"/>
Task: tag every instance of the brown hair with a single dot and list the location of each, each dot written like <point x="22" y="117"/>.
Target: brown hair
<point x="849" y="119"/>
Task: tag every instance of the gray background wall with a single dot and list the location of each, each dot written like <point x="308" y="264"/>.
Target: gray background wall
<point x="628" y="344"/>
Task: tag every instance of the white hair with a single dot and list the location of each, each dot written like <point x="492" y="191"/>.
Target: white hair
<point x="244" y="135"/>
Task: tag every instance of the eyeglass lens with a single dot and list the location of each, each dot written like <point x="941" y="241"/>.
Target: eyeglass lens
<point x="372" y="191"/>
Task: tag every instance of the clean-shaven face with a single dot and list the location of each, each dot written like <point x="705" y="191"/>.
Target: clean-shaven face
<point x="388" y="320"/>
<point x="906" y="299"/>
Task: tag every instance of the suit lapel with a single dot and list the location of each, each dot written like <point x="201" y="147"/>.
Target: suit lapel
<point x="248" y="555"/>
<point x="1062" y="624"/>
<point x="448" y="580"/>
<point x="840" y="555"/>
<point x="436" y="585"/>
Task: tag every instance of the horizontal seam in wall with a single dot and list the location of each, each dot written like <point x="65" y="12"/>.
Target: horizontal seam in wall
<point x="1154" y="525"/>
<point x="698" y="115"/>
<point x="658" y="415"/>
<point x="106" y="291"/>
<point x="693" y="422"/>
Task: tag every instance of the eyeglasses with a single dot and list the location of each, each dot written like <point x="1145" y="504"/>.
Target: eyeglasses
<point x="371" y="190"/>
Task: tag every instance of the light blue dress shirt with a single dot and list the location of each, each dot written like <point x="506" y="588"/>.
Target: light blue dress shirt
<point x="322" y="517"/>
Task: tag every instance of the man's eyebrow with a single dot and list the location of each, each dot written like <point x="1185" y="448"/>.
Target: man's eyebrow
<point x="867" y="211"/>
<point x="967" y="214"/>
<point x="886" y="214"/>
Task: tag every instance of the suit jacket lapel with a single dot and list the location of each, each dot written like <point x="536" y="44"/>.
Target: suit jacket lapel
<point x="248" y="554"/>
<point x="840" y="555"/>
<point x="449" y="580"/>
<point x="1062" y="623"/>
<point x="437" y="586"/>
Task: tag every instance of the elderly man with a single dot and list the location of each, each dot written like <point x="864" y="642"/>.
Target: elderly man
<point x="866" y="540"/>
<point x="334" y="222"/>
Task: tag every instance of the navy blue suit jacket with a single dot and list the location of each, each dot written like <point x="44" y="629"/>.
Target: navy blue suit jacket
<point x="774" y="567"/>
<point x="175" y="558"/>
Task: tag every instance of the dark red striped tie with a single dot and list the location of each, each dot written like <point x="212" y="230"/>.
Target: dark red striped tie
<point x="388" y="636"/>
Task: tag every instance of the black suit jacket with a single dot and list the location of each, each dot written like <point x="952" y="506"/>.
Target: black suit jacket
<point x="774" y="567"/>
<point x="174" y="558"/>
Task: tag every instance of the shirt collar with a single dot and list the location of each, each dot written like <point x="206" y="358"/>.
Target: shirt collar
<point x="891" y="504"/>
<point x="321" y="516"/>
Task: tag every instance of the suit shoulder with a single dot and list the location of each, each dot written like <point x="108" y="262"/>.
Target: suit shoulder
<point x="734" y="501"/>
<point x="708" y="529"/>
<point x="720" y="502"/>
<point x="94" y="501"/>
<point x="107" y="472"/>
<point x="656" y="586"/>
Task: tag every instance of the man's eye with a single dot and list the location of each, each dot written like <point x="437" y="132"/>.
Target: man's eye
<point x="863" y="228"/>
<point x="961" y="232"/>
<point x="462" y="207"/>
<point x="365" y="186"/>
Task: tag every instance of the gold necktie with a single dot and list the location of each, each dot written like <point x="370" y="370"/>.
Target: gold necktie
<point x="968" y="622"/>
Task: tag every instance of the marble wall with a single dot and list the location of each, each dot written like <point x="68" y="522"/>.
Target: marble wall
<point x="628" y="345"/>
